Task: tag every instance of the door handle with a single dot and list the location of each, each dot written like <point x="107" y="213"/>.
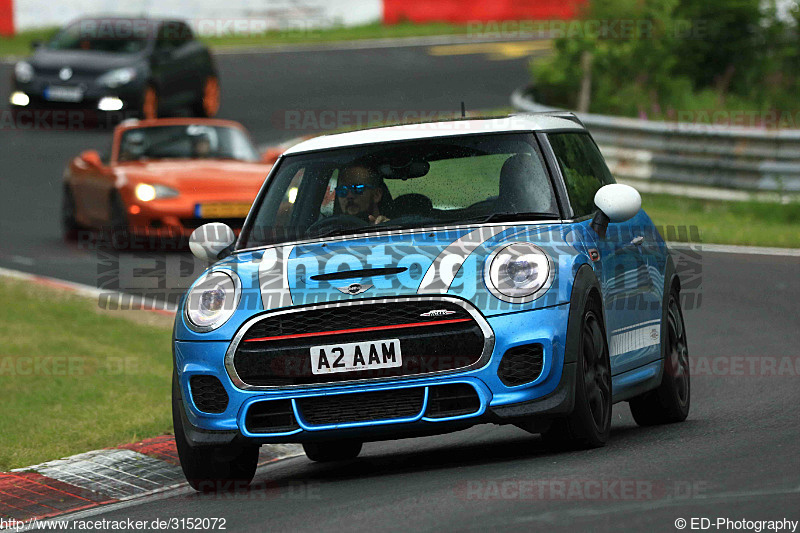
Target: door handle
<point x="638" y="240"/>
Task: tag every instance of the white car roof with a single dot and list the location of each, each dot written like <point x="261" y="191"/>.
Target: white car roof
<point x="429" y="130"/>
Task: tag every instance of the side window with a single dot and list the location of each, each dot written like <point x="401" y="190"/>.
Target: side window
<point x="583" y="167"/>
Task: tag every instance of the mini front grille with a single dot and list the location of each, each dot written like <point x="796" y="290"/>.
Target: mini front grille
<point x="361" y="406"/>
<point x="208" y="394"/>
<point x="521" y="364"/>
<point x="434" y="336"/>
<point x="452" y="400"/>
<point x="274" y="416"/>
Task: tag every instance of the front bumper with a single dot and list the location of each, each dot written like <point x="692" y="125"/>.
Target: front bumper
<point x="91" y="95"/>
<point x="547" y="396"/>
<point x="175" y="217"/>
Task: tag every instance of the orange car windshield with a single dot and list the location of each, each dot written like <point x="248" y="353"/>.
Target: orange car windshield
<point x="194" y="141"/>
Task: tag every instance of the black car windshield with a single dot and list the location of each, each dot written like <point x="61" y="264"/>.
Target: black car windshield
<point x="114" y="36"/>
<point x="431" y="182"/>
<point x="193" y="141"/>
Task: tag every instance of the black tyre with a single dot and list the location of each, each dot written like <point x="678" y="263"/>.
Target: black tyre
<point x="589" y="424"/>
<point x="671" y="400"/>
<point x="119" y="234"/>
<point x="69" y="224"/>
<point x="207" y="105"/>
<point x="211" y="469"/>
<point x="325" y="452"/>
<point x="150" y="103"/>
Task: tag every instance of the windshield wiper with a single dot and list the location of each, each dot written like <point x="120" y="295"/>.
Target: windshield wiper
<point x="364" y="229"/>
<point x="506" y="217"/>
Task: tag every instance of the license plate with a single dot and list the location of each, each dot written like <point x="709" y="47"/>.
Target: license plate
<point x="355" y="356"/>
<point x="223" y="210"/>
<point x="58" y="93"/>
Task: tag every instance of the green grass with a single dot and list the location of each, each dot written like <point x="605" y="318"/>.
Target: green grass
<point x="75" y="379"/>
<point x="722" y="222"/>
<point x="20" y="44"/>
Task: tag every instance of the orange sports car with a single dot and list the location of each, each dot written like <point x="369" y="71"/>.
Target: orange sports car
<point x="164" y="178"/>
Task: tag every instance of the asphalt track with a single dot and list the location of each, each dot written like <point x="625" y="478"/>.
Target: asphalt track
<point x="735" y="457"/>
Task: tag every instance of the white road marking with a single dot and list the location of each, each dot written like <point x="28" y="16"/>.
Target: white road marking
<point x="22" y="260"/>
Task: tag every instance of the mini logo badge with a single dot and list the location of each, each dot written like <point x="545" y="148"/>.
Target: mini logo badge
<point x="354" y="288"/>
<point x="65" y="73"/>
<point x="654" y="334"/>
<point x="438" y="312"/>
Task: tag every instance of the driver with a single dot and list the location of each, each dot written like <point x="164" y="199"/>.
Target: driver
<point x="359" y="193"/>
<point x="201" y="146"/>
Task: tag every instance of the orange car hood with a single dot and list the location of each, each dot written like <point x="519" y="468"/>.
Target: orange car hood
<point x="207" y="176"/>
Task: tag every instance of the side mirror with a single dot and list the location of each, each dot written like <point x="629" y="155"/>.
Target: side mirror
<point x="271" y="155"/>
<point x="615" y="203"/>
<point x="36" y="44"/>
<point x="212" y="242"/>
<point x="91" y="158"/>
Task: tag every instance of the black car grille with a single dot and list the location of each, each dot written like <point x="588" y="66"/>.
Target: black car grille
<point x="452" y="400"/>
<point x="361" y="406"/>
<point x="275" y="416"/>
<point x="522" y="364"/>
<point x="276" y="350"/>
<point x="208" y="394"/>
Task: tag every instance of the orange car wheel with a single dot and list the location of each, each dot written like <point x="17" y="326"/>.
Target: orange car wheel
<point x="69" y="222"/>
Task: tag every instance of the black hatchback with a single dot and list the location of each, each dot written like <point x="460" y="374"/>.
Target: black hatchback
<point x="132" y="66"/>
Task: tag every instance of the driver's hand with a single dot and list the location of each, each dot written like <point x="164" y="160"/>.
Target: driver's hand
<point x="378" y="220"/>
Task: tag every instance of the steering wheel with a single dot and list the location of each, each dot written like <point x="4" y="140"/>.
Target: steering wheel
<point x="327" y="224"/>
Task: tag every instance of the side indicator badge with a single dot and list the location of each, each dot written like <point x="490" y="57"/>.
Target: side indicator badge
<point x="594" y="255"/>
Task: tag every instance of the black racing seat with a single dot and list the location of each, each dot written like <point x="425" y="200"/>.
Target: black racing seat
<point x="411" y="204"/>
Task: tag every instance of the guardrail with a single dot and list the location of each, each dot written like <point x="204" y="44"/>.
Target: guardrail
<point x="745" y="159"/>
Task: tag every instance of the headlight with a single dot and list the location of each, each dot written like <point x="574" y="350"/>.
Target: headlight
<point x="518" y="272"/>
<point x="146" y="192"/>
<point x="117" y="77"/>
<point x="23" y="72"/>
<point x="212" y="301"/>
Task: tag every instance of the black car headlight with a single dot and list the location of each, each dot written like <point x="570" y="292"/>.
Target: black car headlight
<point x="213" y="300"/>
<point x="518" y="272"/>
<point x="117" y="77"/>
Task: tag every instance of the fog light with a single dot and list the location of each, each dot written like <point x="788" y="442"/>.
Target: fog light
<point x="19" y="98"/>
<point x="109" y="103"/>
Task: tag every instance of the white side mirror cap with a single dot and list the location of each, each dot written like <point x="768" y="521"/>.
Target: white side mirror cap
<point x="618" y="202"/>
<point x="209" y="240"/>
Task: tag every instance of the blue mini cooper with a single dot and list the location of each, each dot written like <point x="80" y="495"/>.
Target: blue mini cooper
<point x="420" y="279"/>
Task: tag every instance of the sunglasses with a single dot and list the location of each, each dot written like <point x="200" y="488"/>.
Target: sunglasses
<point x="343" y="190"/>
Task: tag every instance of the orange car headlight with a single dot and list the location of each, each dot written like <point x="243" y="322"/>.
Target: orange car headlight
<point x="146" y="192"/>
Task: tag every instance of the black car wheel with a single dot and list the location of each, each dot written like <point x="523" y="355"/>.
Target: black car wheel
<point x="208" y="468"/>
<point x="208" y="103"/>
<point x="324" y="452"/>
<point x="670" y="401"/>
<point x="149" y="103"/>
<point x="589" y="424"/>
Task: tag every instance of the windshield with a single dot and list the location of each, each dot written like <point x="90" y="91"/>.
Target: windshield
<point x="444" y="180"/>
<point x="194" y="141"/>
<point x="115" y="36"/>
